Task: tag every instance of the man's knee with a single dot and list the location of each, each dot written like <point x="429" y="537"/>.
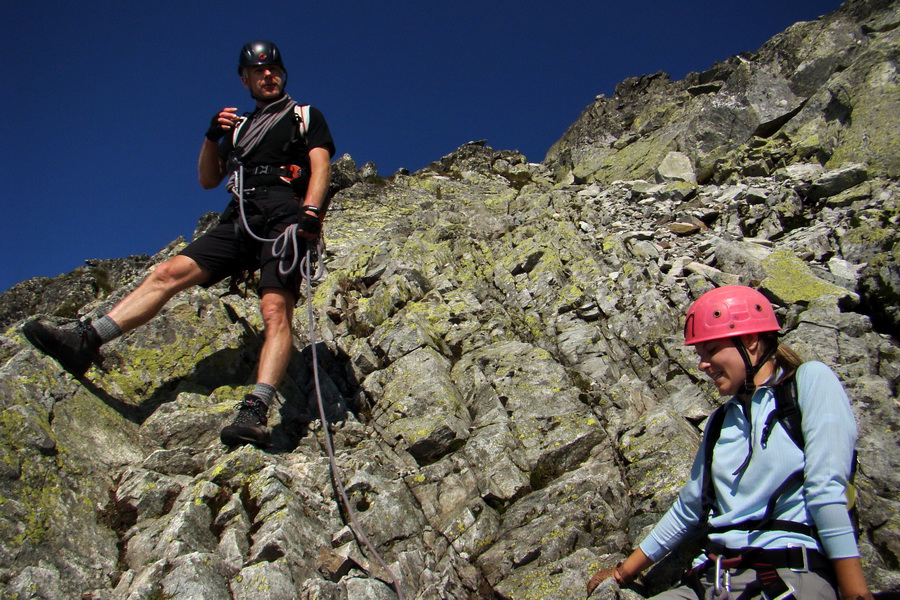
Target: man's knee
<point x="276" y="307"/>
<point x="179" y="272"/>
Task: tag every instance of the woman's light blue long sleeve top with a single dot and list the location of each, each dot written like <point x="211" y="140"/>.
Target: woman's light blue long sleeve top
<point x="829" y="430"/>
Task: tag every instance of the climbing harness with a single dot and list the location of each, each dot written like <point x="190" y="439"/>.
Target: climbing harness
<point x="764" y="562"/>
<point x="287" y="240"/>
<point x="357" y="528"/>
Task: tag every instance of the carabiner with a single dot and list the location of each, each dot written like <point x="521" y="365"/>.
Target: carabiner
<point x="722" y="581"/>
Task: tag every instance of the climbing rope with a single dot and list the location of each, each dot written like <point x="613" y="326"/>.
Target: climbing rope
<point x="284" y="242"/>
<point x="314" y="254"/>
<point x="335" y="472"/>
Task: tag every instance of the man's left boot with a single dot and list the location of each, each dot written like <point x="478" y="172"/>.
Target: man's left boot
<point x="249" y="426"/>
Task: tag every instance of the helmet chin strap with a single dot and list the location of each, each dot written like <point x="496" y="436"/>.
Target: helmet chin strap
<point x="749" y="384"/>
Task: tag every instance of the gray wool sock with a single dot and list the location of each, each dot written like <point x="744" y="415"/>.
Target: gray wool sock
<point x="106" y="328"/>
<point x="264" y="392"/>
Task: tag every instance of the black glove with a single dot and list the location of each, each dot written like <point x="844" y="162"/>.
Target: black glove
<point x="215" y="131"/>
<point x="309" y="224"/>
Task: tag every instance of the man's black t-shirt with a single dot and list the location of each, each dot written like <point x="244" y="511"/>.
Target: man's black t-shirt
<point x="277" y="148"/>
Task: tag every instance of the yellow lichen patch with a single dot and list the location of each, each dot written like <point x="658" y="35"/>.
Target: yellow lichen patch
<point x="791" y="280"/>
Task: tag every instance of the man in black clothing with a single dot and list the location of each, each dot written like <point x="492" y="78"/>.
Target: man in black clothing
<point x="279" y="156"/>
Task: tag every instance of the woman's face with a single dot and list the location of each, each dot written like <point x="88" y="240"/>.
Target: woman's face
<point x="722" y="363"/>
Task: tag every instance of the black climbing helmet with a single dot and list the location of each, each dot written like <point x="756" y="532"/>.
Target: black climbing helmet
<point x="259" y="52"/>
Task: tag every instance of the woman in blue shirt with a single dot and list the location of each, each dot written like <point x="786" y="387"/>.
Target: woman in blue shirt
<point x="776" y="511"/>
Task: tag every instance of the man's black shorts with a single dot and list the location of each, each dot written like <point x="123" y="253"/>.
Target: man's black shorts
<point x="227" y="249"/>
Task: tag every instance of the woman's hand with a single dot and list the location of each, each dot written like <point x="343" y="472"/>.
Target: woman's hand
<point x="599" y="577"/>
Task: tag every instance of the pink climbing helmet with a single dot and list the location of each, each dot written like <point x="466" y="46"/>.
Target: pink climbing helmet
<point x="727" y="312"/>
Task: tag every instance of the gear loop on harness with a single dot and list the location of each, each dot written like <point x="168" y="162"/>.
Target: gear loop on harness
<point x="765" y="563"/>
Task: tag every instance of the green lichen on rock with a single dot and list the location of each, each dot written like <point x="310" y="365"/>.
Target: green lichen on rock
<point x="870" y="234"/>
<point x="636" y="161"/>
<point x="44" y="491"/>
<point x="791" y="281"/>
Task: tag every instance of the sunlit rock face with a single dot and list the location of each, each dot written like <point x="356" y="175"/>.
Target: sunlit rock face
<point x="499" y="351"/>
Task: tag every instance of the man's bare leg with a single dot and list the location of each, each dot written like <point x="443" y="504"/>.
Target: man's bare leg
<point x="76" y="348"/>
<point x="277" y="308"/>
<point x="145" y="302"/>
<point x="250" y="425"/>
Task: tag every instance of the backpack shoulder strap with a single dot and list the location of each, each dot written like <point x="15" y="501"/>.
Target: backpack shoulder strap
<point x="236" y="132"/>
<point x="301" y="116"/>
<point x="787" y="407"/>
<point x="713" y="431"/>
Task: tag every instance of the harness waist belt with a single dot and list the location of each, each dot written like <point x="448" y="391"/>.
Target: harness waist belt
<point x="273" y="170"/>
<point x="263" y="190"/>
<point x="765" y="562"/>
<point x="796" y="558"/>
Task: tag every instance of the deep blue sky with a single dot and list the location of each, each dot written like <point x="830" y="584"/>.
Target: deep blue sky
<point x="105" y="103"/>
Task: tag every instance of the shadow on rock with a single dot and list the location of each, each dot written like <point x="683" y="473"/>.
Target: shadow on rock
<point x="335" y="385"/>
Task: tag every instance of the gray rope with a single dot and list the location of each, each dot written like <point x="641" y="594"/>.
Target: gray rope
<point x="260" y="124"/>
<point x="335" y="472"/>
<point x="284" y="242"/>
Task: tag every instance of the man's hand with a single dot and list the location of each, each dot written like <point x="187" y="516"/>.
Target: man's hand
<point x="599" y="577"/>
<point x="308" y="225"/>
<point x="221" y="123"/>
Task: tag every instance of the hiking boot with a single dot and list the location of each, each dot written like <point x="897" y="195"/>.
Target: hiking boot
<point x="74" y="348"/>
<point x="249" y="426"/>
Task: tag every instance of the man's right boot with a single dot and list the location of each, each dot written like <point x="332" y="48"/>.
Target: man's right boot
<point x="75" y="348"/>
<point x="249" y="426"/>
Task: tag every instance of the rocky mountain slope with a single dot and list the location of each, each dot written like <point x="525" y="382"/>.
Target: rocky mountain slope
<point x="499" y="353"/>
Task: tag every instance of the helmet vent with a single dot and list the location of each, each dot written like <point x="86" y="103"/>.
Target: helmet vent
<point x="717" y="314"/>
